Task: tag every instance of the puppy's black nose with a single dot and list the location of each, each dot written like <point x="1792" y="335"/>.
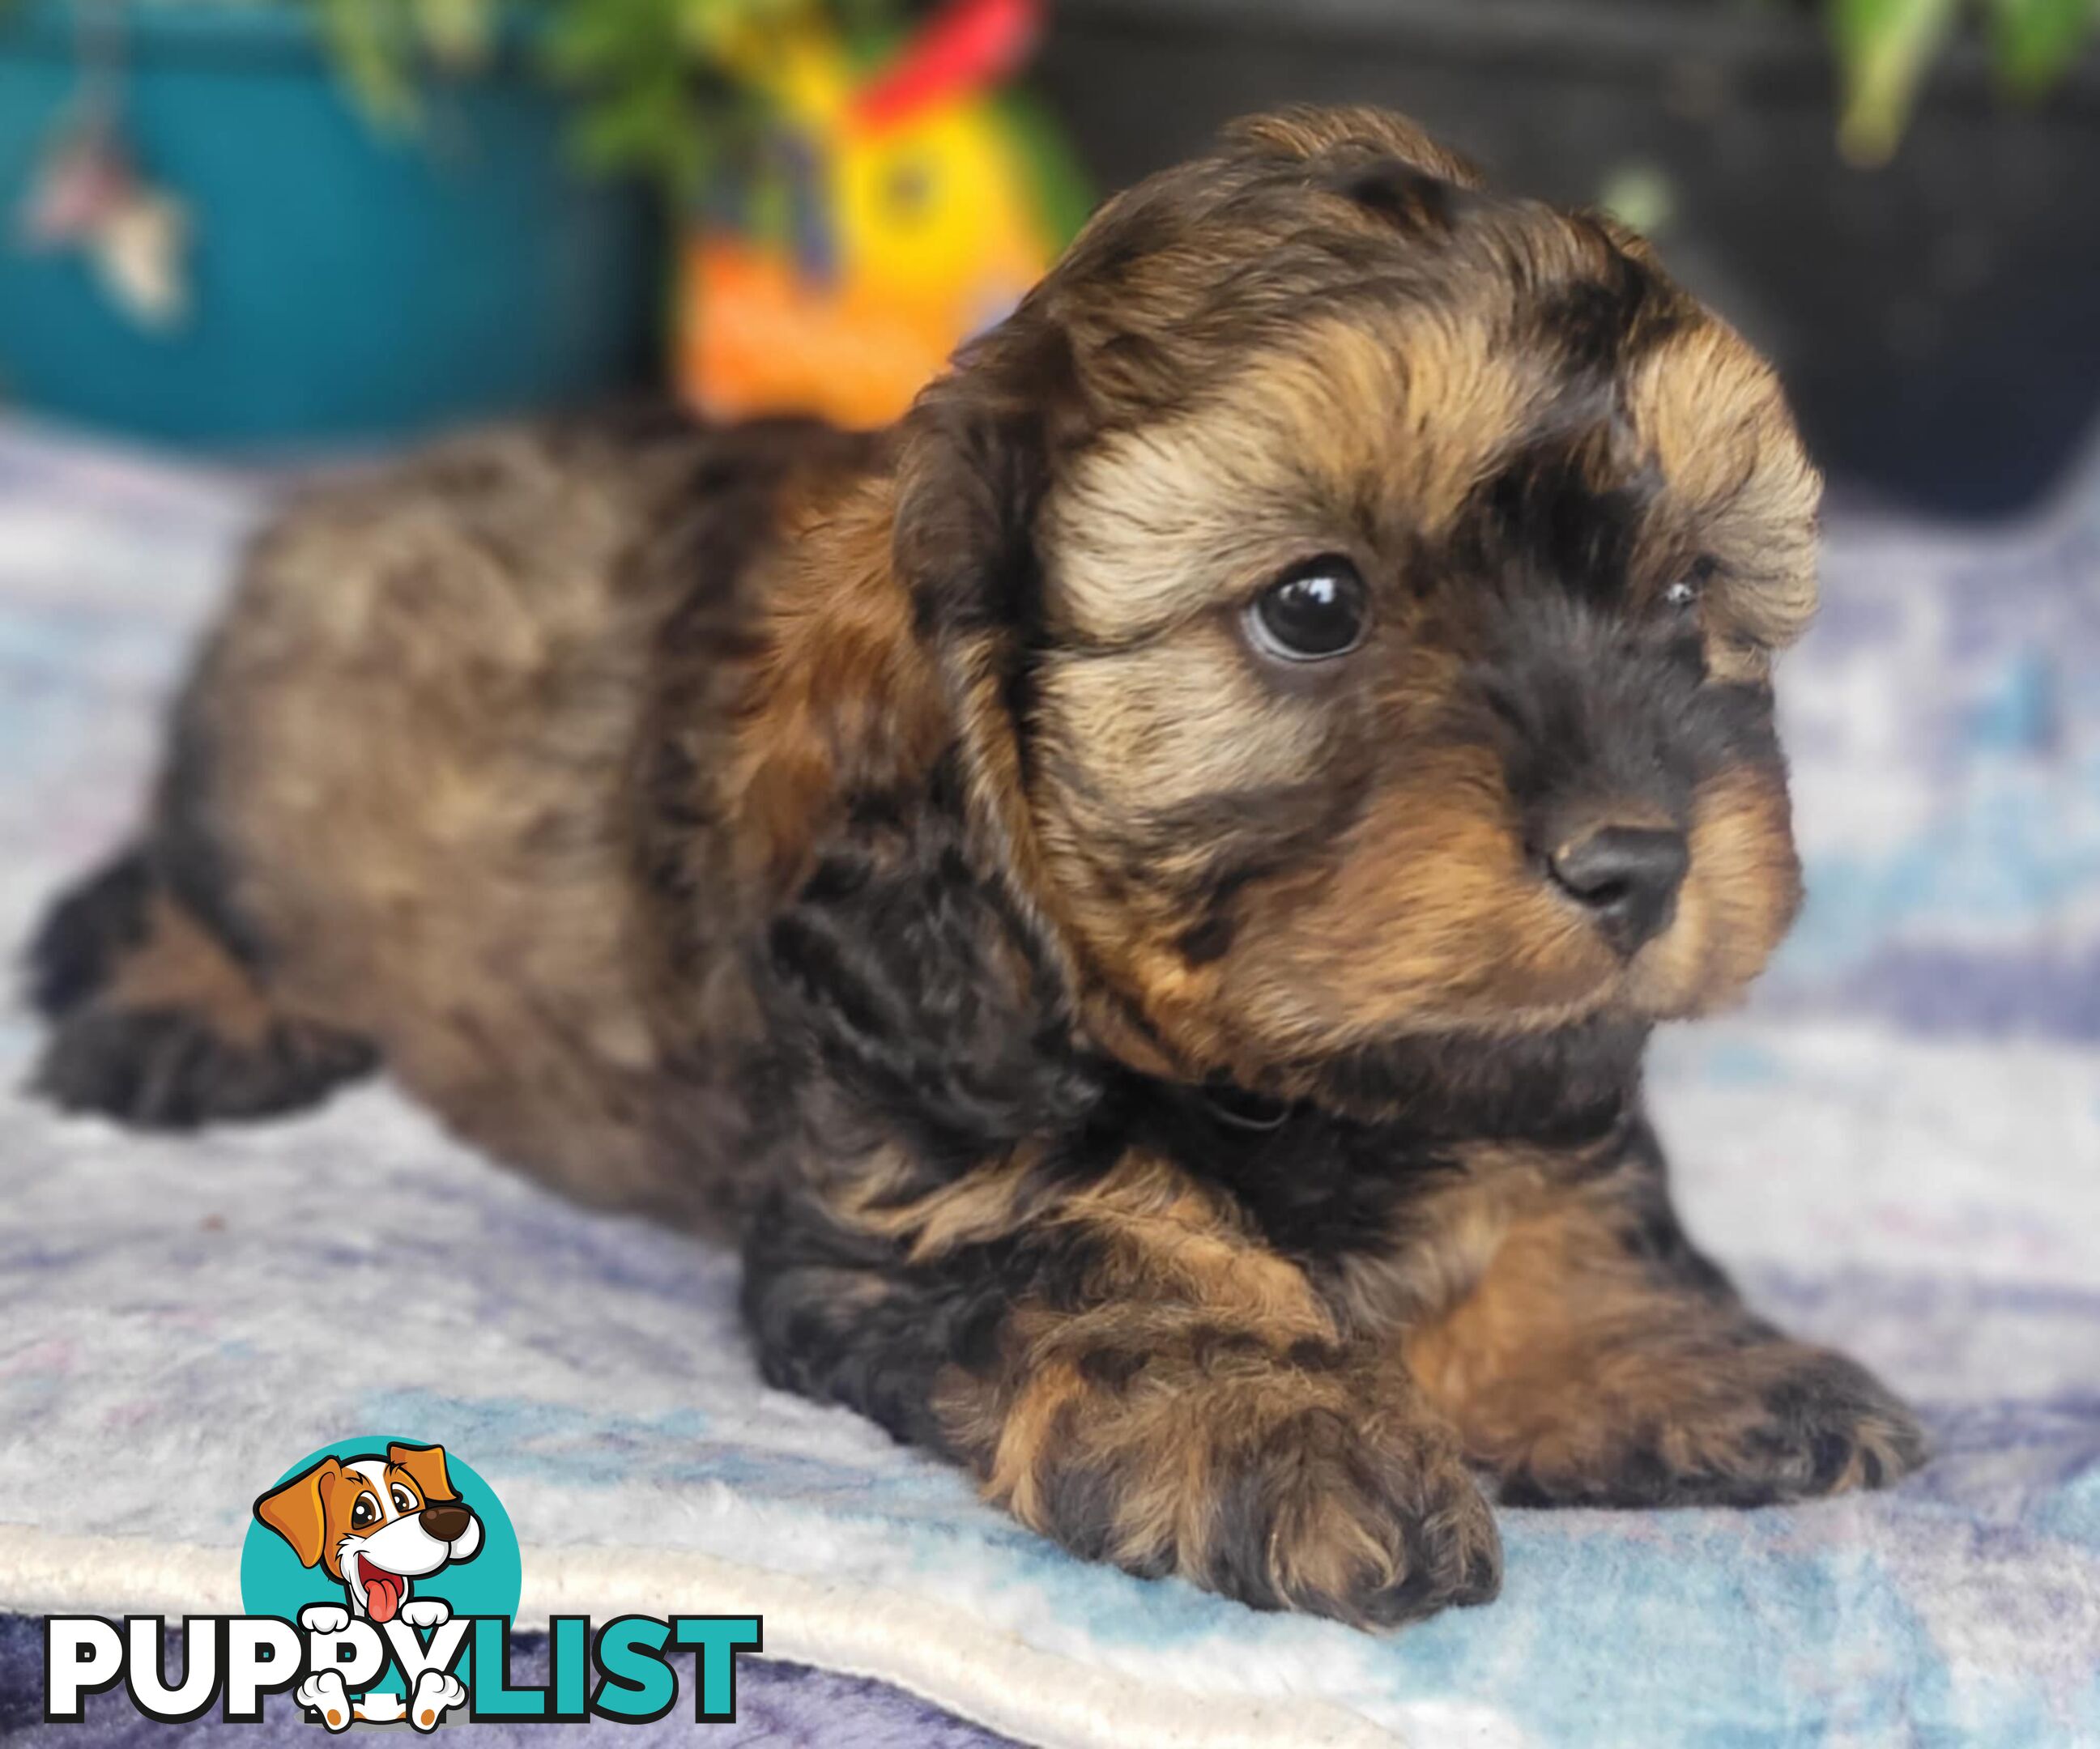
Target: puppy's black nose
<point x="1627" y="877"/>
<point x="446" y="1522"/>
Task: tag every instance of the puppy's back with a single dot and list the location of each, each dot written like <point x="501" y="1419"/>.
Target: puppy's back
<point x="394" y="820"/>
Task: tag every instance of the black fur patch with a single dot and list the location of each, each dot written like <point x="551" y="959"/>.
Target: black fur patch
<point x="1408" y="197"/>
<point x="835" y="1318"/>
<point x="165" y="1068"/>
<point x="903" y="976"/>
<point x="76" y="948"/>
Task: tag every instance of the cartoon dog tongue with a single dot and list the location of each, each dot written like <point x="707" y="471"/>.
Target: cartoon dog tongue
<point x="383" y="1591"/>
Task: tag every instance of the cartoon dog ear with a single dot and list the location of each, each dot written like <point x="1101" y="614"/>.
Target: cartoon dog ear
<point x="297" y="1510"/>
<point x="426" y="1465"/>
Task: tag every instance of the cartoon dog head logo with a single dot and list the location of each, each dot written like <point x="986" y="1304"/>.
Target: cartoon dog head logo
<point x="376" y="1524"/>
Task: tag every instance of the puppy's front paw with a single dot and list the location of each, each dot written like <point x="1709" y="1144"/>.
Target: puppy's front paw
<point x="1369" y="1528"/>
<point x="1283" y="1488"/>
<point x="1768" y="1422"/>
<point x="437" y="1691"/>
<point x="324" y="1617"/>
<point x="426" y="1612"/>
<point x="324" y="1693"/>
<point x="1828" y="1426"/>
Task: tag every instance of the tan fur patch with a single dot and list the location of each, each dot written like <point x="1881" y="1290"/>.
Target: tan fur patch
<point x="1712" y="414"/>
<point x="982" y="1204"/>
<point x="180" y="965"/>
<point x="1737" y="902"/>
<point x="1165" y="1234"/>
<point x="1568" y="1354"/>
<point x="1359" y="431"/>
<point x="1453" y="1232"/>
<point x="842" y="696"/>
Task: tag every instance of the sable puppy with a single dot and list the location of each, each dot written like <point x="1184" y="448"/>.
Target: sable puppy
<point x="1139" y="893"/>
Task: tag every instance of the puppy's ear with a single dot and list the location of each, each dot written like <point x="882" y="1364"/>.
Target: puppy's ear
<point x="426" y="1465"/>
<point x="975" y="462"/>
<point x="297" y="1510"/>
<point x="918" y="965"/>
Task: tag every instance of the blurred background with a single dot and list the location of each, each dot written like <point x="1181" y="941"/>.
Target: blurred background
<point x="270" y="227"/>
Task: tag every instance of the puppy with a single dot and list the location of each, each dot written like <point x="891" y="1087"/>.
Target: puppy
<point x="377" y="1525"/>
<point x="1139" y="894"/>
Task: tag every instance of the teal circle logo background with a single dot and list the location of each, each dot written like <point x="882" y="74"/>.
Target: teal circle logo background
<point x="272" y="1582"/>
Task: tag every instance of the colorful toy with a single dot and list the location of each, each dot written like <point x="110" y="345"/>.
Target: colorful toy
<point x="891" y="214"/>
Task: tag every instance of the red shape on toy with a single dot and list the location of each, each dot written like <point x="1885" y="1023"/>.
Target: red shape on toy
<point x="972" y="44"/>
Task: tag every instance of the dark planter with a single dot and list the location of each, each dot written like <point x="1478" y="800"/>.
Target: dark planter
<point x="1938" y="321"/>
<point x="347" y="286"/>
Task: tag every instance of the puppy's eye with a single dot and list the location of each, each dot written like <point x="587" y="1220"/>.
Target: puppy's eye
<point x="365" y="1512"/>
<point x="1688" y="589"/>
<point x="1313" y="612"/>
<point x="403" y="1501"/>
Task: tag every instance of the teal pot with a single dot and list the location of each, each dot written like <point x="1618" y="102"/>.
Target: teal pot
<point x="346" y="285"/>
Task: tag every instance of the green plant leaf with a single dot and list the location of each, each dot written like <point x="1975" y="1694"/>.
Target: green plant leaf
<point x="368" y="42"/>
<point x="654" y="78"/>
<point x="2034" y="42"/>
<point x="1885" y="48"/>
<point x="655" y="88"/>
<point x="705" y="25"/>
<point x="458" y="34"/>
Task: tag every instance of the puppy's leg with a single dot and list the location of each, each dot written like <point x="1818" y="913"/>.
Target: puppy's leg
<point x="1601" y="1361"/>
<point x="1128" y="1371"/>
<point x="158" y="1021"/>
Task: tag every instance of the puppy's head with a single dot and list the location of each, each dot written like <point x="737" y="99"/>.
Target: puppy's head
<point x="375" y="1523"/>
<point x="1359" y="592"/>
